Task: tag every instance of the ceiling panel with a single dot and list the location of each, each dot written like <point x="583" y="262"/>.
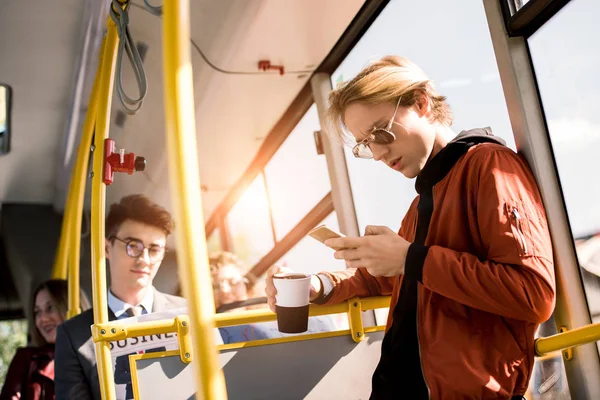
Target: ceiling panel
<point x="38" y="42"/>
<point x="234" y="113"/>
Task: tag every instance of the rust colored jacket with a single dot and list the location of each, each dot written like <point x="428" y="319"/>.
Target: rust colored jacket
<point x="479" y="280"/>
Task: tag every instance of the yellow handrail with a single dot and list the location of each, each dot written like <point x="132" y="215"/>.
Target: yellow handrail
<point x="59" y="269"/>
<point x="77" y="194"/>
<point x="560" y="341"/>
<point x="104" y="100"/>
<point x="266" y="315"/>
<point x="192" y="257"/>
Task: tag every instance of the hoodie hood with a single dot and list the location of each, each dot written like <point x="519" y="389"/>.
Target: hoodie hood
<point x="438" y="167"/>
<point x="476" y="136"/>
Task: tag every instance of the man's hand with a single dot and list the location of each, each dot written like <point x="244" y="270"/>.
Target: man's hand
<point x="381" y="251"/>
<point x="270" y="291"/>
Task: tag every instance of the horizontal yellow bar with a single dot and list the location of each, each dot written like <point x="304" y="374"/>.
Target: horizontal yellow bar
<point x="296" y="338"/>
<point x="585" y="334"/>
<point x="266" y="315"/>
<point x="549" y="356"/>
<point x="115" y="330"/>
<point x="373" y="303"/>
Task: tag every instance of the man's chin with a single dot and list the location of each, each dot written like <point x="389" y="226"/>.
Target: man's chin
<point x="142" y="282"/>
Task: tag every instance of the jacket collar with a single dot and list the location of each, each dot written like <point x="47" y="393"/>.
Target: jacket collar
<point x="438" y="167"/>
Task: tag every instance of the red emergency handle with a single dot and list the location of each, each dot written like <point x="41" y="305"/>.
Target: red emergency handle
<point x="119" y="162"/>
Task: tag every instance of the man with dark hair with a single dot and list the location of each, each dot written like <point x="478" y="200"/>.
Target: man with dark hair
<point x="136" y="236"/>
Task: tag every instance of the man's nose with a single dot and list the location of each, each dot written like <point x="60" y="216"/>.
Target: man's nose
<point x="43" y="316"/>
<point x="225" y="287"/>
<point x="378" y="150"/>
<point x="145" y="257"/>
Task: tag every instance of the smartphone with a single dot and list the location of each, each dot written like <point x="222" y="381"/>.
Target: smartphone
<point x="323" y="232"/>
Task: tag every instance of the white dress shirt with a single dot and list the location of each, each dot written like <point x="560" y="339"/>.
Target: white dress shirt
<point x="119" y="307"/>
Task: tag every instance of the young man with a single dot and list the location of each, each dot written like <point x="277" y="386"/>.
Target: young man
<point x="136" y="235"/>
<point x="470" y="271"/>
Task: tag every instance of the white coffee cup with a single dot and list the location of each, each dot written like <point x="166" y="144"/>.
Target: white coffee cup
<point x="291" y="301"/>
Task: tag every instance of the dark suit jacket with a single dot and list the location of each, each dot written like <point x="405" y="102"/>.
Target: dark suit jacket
<point x="76" y="375"/>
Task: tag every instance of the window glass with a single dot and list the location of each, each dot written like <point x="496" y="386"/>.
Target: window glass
<point x="297" y="177"/>
<point x="454" y="48"/>
<point x="566" y="60"/>
<point x="249" y="224"/>
<point x="311" y="256"/>
<point x="213" y="242"/>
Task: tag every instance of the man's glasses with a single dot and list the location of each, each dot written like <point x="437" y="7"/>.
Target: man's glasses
<point x="378" y="136"/>
<point x="231" y="282"/>
<point x="135" y="248"/>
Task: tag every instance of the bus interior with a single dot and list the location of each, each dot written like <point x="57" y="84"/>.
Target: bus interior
<point x="263" y="171"/>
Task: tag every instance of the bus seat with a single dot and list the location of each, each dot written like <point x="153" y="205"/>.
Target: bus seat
<point x="303" y="369"/>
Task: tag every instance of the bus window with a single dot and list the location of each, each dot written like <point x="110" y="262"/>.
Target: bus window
<point x="213" y="242"/>
<point x="297" y="176"/>
<point x="248" y="223"/>
<point x="566" y="60"/>
<point x="5" y="107"/>
<point x="311" y="256"/>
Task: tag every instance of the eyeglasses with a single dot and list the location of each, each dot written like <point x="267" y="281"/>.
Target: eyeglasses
<point x="378" y="136"/>
<point x="135" y="248"/>
<point x="231" y="282"/>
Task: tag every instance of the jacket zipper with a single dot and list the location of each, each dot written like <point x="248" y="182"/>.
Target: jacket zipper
<point x="521" y="237"/>
<point x="419" y="348"/>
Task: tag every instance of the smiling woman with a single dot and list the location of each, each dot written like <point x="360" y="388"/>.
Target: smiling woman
<point x="31" y="372"/>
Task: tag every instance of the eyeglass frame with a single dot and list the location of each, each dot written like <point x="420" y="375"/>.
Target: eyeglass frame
<point x="371" y="137"/>
<point x="219" y="285"/>
<point x="127" y="242"/>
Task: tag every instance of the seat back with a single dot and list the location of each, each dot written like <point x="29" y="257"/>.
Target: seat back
<point x="324" y="368"/>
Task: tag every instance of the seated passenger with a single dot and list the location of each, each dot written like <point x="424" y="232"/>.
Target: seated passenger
<point x="471" y="269"/>
<point x="31" y="372"/>
<point x="231" y="286"/>
<point x="136" y="237"/>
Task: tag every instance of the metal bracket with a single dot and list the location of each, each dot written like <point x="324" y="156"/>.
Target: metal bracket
<point x="355" y="319"/>
<point x="185" y="338"/>
<point x="567" y="353"/>
<point x="108" y="332"/>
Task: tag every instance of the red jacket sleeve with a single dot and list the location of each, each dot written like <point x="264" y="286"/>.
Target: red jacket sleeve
<point x="516" y="278"/>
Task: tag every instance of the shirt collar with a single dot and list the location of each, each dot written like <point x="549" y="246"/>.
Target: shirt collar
<point x="118" y="306"/>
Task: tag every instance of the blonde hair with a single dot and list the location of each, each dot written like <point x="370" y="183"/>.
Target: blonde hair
<point x="385" y="80"/>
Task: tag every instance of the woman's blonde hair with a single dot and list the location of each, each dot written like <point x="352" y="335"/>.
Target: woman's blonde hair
<point x="385" y="80"/>
<point x="58" y="290"/>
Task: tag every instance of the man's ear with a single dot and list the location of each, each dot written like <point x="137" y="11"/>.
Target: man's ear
<point x="422" y="104"/>
<point x="107" y="248"/>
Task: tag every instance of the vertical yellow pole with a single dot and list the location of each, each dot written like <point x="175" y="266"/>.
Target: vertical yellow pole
<point x="59" y="270"/>
<point x="104" y="100"/>
<point x="77" y="194"/>
<point x="192" y="258"/>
